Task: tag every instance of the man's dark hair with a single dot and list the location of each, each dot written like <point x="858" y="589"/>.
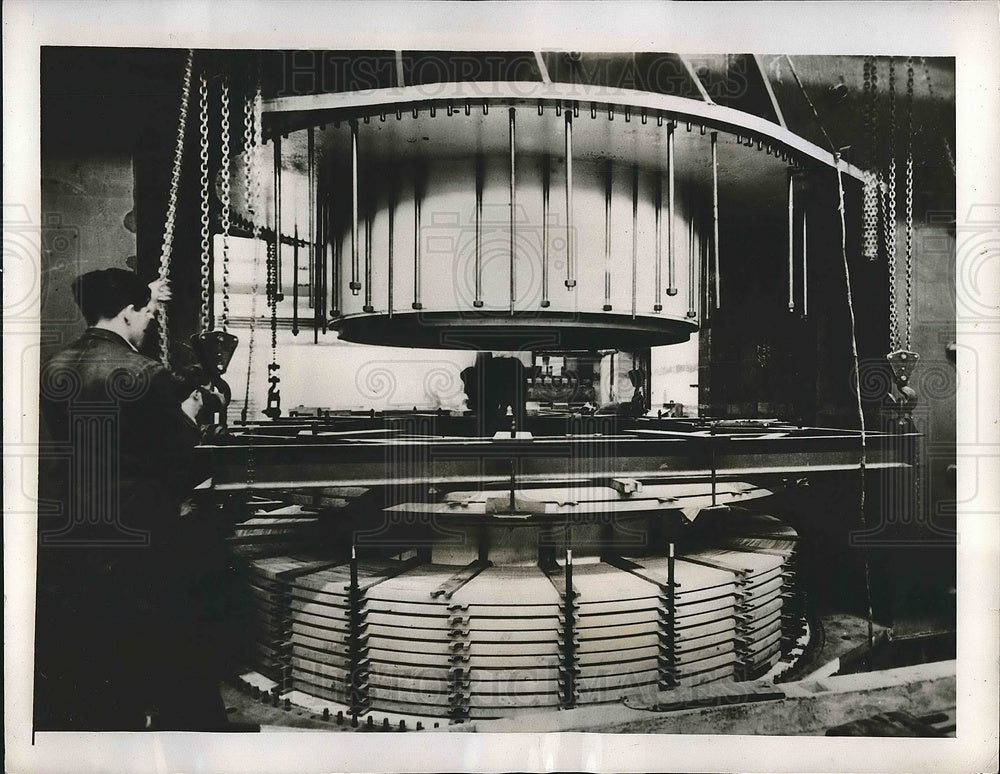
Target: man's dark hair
<point x="102" y="294"/>
<point x="188" y="379"/>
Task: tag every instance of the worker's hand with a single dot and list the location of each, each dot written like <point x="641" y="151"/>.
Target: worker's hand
<point x="159" y="293"/>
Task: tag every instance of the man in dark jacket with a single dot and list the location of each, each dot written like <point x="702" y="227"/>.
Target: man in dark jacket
<point x="109" y="649"/>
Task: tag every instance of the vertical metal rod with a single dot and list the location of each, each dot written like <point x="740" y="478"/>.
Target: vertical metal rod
<point x="337" y="273"/>
<point x="416" y="240"/>
<point x="711" y="441"/>
<point x="658" y="303"/>
<point x="355" y="285"/>
<point x="791" y="241"/>
<point x="607" y="239"/>
<point x="275" y="289"/>
<point x="295" y="282"/>
<point x="635" y="231"/>
<point x="513" y="473"/>
<point x="478" y="301"/>
<point x="545" y="230"/>
<point x="354" y="568"/>
<point x="513" y="214"/>
<point x="715" y="216"/>
<point x="368" y="265"/>
<point x="354" y="654"/>
<point x="805" y="267"/>
<point x="334" y="237"/>
<point x="569" y="656"/>
<point x="671" y="262"/>
<point x="321" y="255"/>
<point x="704" y="264"/>
<point x="570" y="241"/>
<point x="671" y="618"/>
<point x="692" y="270"/>
<point x="311" y="174"/>
<point x="392" y="242"/>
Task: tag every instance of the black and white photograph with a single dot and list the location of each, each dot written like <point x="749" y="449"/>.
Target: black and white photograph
<point x="612" y="397"/>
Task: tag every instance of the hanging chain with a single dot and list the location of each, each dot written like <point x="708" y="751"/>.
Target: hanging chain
<point x="206" y="254"/>
<point x="870" y="205"/>
<point x="272" y="281"/>
<point x="252" y="180"/>
<point x="248" y="151"/>
<point x="252" y="129"/>
<point x="168" y="229"/>
<point x="890" y="212"/>
<point x="909" y="199"/>
<point x="226" y="201"/>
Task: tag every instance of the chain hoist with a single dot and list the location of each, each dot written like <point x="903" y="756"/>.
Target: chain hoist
<point x="273" y="409"/>
<point x="889" y="211"/>
<point x="871" y="187"/>
<point x="251" y="182"/>
<point x="902" y="358"/>
<point x="226" y="199"/>
<point x="909" y="199"/>
<point x="206" y="254"/>
<point x="168" y="229"/>
<point x="213" y="348"/>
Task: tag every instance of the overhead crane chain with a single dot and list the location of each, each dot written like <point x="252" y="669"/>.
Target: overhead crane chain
<point x="168" y="230"/>
<point x="226" y="200"/>
<point x="252" y="129"/>
<point x="909" y="199"/>
<point x="890" y="212"/>
<point x="870" y="229"/>
<point x="206" y="254"/>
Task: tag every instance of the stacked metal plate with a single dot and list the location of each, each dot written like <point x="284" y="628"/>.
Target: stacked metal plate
<point x="698" y="624"/>
<point x="271" y="615"/>
<point x="320" y="632"/>
<point x="759" y="582"/>
<point x="275" y="528"/>
<point x="618" y="633"/>
<point x="485" y="641"/>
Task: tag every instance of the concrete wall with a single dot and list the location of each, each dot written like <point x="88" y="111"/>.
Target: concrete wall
<point x="87" y="224"/>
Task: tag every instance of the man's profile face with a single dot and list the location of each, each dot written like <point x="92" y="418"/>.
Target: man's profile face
<point x="137" y="320"/>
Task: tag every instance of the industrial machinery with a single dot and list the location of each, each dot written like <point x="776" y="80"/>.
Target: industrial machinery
<point x="553" y="535"/>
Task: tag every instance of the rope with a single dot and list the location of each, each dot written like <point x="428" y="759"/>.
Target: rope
<point x="812" y="107"/>
<point x="168" y="230"/>
<point x="857" y="383"/>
